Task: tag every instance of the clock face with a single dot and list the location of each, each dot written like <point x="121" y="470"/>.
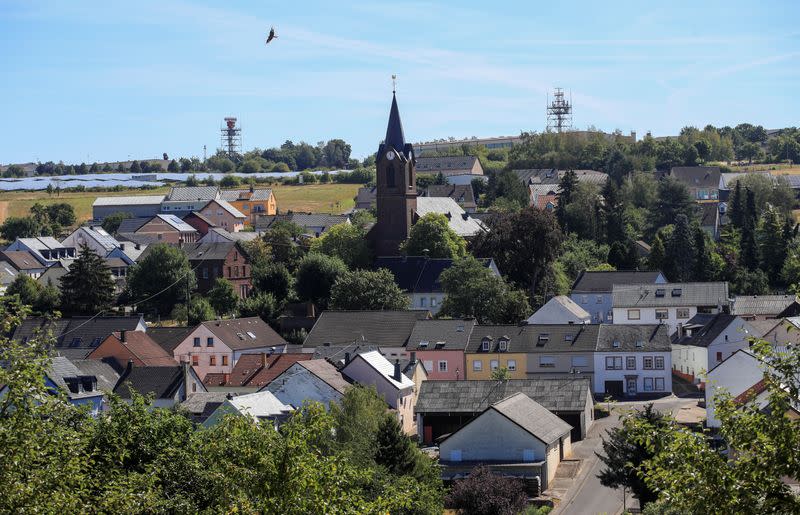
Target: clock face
<point x="390" y="155"/>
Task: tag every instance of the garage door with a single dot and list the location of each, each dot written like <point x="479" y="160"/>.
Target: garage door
<point x="614" y="388"/>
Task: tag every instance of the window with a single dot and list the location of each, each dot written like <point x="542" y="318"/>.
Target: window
<point x="719" y="357"/>
<point x="615" y="344"/>
<point x="648" y="363"/>
<point x="639" y="344"/>
<point x="197" y="342"/>
<point x="224" y="360"/>
<point x="477" y="365"/>
<point x="634" y="314"/>
<point x="236" y="256"/>
<point x="485" y="345"/>
<point x="229" y="272"/>
<point x="677" y="292"/>
<point x="580" y="361"/>
<point x="682" y="313"/>
<point x="245" y="206"/>
<point x="433" y="302"/>
<point x="659" y="362"/>
<point x="512" y="365"/>
<point x="584" y="299"/>
<point x="503" y="345"/>
<point x="662" y="314"/>
<point x="494" y="364"/>
<point x="422" y="302"/>
<point x="443" y="366"/>
<point x="212" y="361"/>
<point x="423" y="344"/>
<point x="160" y="236"/>
<point x="610" y="315"/>
<point x="660" y="292"/>
<point x="236" y="271"/>
<point x="195" y="360"/>
<point x="630" y="362"/>
<point x="210" y="341"/>
<point x="569" y="337"/>
<point x="613" y="362"/>
<point x="390" y="177"/>
<point x="648" y="384"/>
<point x="599" y="299"/>
<point x="428" y="366"/>
<point x="547" y="361"/>
<point x="659" y="384"/>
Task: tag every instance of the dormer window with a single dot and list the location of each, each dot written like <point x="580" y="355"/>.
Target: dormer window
<point x="503" y="345"/>
<point x="460" y="328"/>
<point x="639" y="344"/>
<point x="569" y="337"/>
<point x="543" y="338"/>
<point x="440" y="345"/>
<point x="615" y="344"/>
<point x="423" y="344"/>
<point x="660" y="292"/>
<point x="75" y="342"/>
<point x="677" y="292"/>
<point x="485" y="344"/>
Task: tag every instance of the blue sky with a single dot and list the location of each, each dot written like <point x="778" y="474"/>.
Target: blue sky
<point x="104" y="80"/>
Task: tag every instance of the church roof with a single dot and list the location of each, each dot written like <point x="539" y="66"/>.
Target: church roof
<point x="394" y="130"/>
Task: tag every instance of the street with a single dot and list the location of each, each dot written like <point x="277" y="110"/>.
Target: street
<point x="584" y="494"/>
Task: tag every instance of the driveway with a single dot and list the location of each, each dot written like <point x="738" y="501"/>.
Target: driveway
<point x="584" y="494"/>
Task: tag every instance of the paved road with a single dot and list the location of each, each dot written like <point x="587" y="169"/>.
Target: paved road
<point x="585" y="495"/>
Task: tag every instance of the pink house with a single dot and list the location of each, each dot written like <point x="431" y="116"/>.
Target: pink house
<point x="222" y="214"/>
<point x="215" y="346"/>
<point x="440" y="345"/>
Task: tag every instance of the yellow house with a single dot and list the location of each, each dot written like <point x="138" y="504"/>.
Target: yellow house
<point x="252" y="202"/>
<point x="486" y="353"/>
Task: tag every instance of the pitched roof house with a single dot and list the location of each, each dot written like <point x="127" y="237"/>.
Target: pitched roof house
<point x="702" y="181"/>
<point x="385" y="329"/>
<point x="252" y="202"/>
<point x="185" y="199"/>
<point x="762" y="307"/>
<point x="94" y="237"/>
<point x="227" y="260"/>
<point x="259" y="407"/>
<point x="560" y="310"/>
<point x="517" y="432"/>
<point x="215" y="346"/>
<point x="312" y="380"/>
<point x="440" y="345"/>
<point x="462" y="194"/>
<point x="592" y="290"/>
<point x="449" y="165"/>
<point x="169" y="385"/>
<point x="458" y="219"/>
<point x="24" y="262"/>
<point x="253" y="371"/>
<point x="46" y="249"/>
<point x="633" y="361"/>
<point x="140" y="206"/>
<point x="123" y="346"/>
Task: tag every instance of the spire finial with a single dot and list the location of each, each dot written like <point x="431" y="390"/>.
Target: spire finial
<point x="394" y="84"/>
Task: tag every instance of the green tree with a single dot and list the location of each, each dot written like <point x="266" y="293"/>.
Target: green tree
<point x="506" y="185"/>
<point x="772" y="244"/>
<point x="112" y="222"/>
<point x="673" y="199"/>
<point x="261" y="305"/>
<point x="160" y="280"/>
<point x="21" y="227"/>
<point x="612" y="211"/>
<point x="483" y="492"/>
<point x="48" y="300"/>
<point x="272" y="278"/>
<point x="346" y="241"/>
<point x="566" y="189"/>
<point x="394" y="450"/>
<point x="367" y="290"/>
<point x="281" y="243"/>
<point x="473" y="290"/>
<point x="623" y="456"/>
<point x="222" y="297"/>
<point x="432" y="236"/>
<point x="135" y="167"/>
<point x="618" y="166"/>
<point x="358" y="417"/>
<point x="736" y="207"/>
<point x="200" y="310"/>
<point x="61" y="214"/>
<point x="655" y="261"/>
<point x="679" y="262"/>
<point x="749" y="246"/>
<point x="25" y="288"/>
<point x="87" y="288"/>
<point x="316" y="275"/>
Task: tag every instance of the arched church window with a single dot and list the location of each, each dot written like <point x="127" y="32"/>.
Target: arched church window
<point x="390" y="176"/>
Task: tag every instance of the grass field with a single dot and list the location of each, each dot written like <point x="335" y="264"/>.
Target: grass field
<point x="314" y="198"/>
<point x="777" y="168"/>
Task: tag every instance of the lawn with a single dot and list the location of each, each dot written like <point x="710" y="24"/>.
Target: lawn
<point x="314" y="198"/>
<point x="776" y="168"/>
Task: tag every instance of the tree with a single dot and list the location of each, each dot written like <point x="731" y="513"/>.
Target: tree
<point x="673" y="199"/>
<point x="281" y="243"/>
<point x="173" y="167"/>
<point x="20" y="227"/>
<point x="25" y="288"/>
<point x="623" y="456"/>
<point x="61" y="214"/>
<point x="749" y="253"/>
<point x="679" y="259"/>
<point x="222" y="297"/>
<point x="566" y="189"/>
<point x="358" y="417"/>
<point x="261" y="305"/>
<point x="612" y="210"/>
<point x="112" y="222"/>
<point x="690" y="155"/>
<point x="346" y="241"/>
<point x="432" y="236"/>
<point x="655" y="261"/>
<point x="473" y="290"/>
<point x="737" y="206"/>
<point x="316" y="275"/>
<point x="272" y="278"/>
<point x="200" y="310"/>
<point x="87" y="288"/>
<point x="618" y="166"/>
<point x="135" y="167"/>
<point x="394" y="450"/>
<point x="483" y="492"/>
<point x="772" y="244"/>
<point x="160" y="280"/>
<point x="695" y="477"/>
<point x="624" y="256"/>
<point x="523" y="244"/>
<point x="506" y="185"/>
<point x="367" y="290"/>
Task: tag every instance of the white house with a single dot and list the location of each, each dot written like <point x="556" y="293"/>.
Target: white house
<point x="258" y="407"/>
<point x="672" y="304"/>
<point x="706" y="341"/>
<point x="515" y="430"/>
<point x="633" y="360"/>
<point x="560" y="310"/>
<point x="738" y="373"/>
<point x="93" y="236"/>
<point x="371" y="368"/>
<point x="312" y="380"/>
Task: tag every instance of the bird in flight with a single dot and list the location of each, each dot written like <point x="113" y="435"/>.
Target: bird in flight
<point x="271" y="35"/>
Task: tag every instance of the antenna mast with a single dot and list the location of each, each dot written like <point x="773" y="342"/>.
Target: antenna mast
<point x="231" y="138"/>
<point x="559" y="112"/>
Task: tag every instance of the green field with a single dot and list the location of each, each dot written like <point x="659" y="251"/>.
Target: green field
<point x="314" y="198"/>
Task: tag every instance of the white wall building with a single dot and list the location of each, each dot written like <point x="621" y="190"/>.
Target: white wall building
<point x="633" y="360"/>
<point x="740" y="372"/>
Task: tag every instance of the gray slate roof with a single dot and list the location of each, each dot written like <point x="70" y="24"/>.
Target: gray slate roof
<point x="697" y="176"/>
<point x="169" y="337"/>
<point x="75" y="337"/>
<point x="441" y="334"/>
<point x="553" y="176"/>
<point x="380" y="328"/>
<point x="670" y="295"/>
<point x="131" y="225"/>
<point x="535" y="338"/>
<point x="189" y="193"/>
<point x="633" y="338"/>
<point x="60" y="370"/>
<point x="258" y="194"/>
<point x="458" y="219"/>
<point x="761" y="304"/>
<point x="461" y="193"/>
<point x="446" y="163"/>
<point x="208" y="251"/>
<point x="160" y="381"/>
<point x="471" y="397"/>
<point x="197" y="403"/>
<point x="599" y="282"/>
<point x="106" y="376"/>
<point x="532" y="417"/>
<point x="709" y="328"/>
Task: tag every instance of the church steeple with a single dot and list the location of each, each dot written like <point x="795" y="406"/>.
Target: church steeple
<point x="394" y="130"/>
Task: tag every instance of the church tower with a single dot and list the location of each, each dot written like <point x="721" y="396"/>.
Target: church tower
<point x="396" y="188"/>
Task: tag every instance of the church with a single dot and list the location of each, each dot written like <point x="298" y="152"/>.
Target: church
<point x="398" y="205"/>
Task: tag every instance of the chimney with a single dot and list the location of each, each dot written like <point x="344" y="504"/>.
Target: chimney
<point x="121" y="246"/>
<point x="229" y="396"/>
<point x="396" y="375"/>
<point x="263" y="361"/>
<point x="122" y="336"/>
<point x="185" y="369"/>
<point x="137" y="246"/>
<point x="129" y="367"/>
<point x="413" y="357"/>
<point x="346" y="358"/>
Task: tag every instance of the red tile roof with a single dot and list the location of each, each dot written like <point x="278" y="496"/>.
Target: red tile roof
<point x="751" y="393"/>
<point x="143" y="347"/>
<point x="255" y="370"/>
